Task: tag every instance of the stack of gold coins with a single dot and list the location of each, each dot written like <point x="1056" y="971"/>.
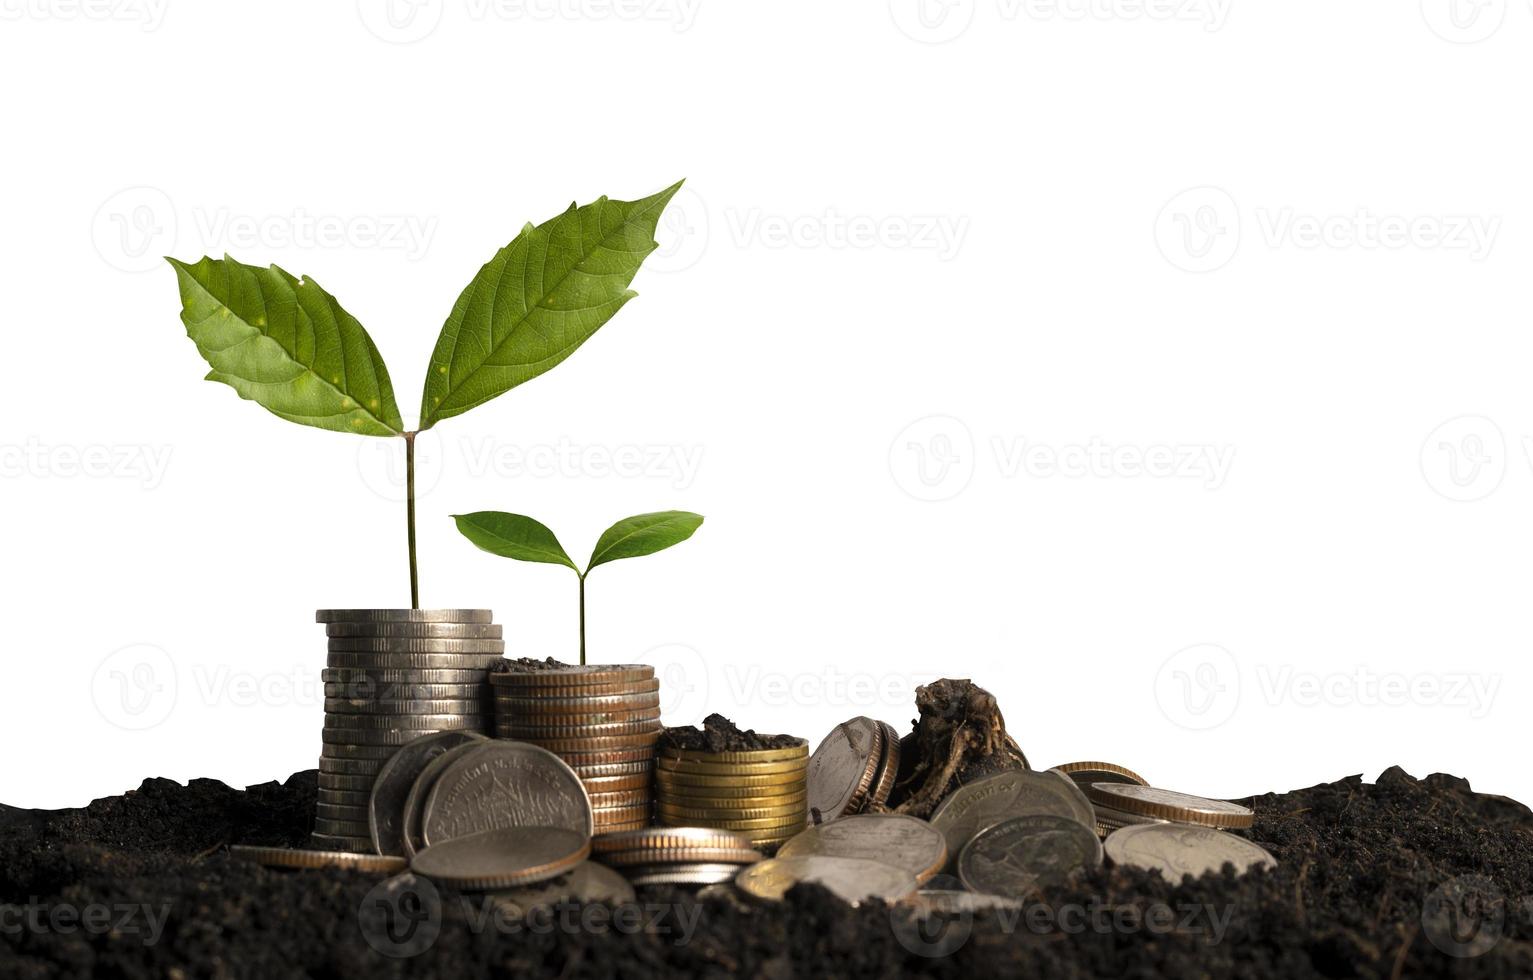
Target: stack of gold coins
<point x="602" y="720"/>
<point x="759" y="793"/>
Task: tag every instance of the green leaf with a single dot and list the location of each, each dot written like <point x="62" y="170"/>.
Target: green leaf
<point x="537" y="300"/>
<point x="513" y="536"/>
<point x="644" y="534"/>
<point x="287" y="345"/>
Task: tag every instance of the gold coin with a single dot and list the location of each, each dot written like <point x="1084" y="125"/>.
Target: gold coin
<point x="727" y="795"/>
<point x="888" y="767"/>
<point x="800" y="751"/>
<point x="637" y="823"/>
<point x="609" y="757"/>
<point x="289" y="857"/>
<point x="524" y="729"/>
<point x="1107" y="768"/>
<point x="728" y="768"/>
<point x="596" y="785"/>
<point x="707" y="815"/>
<point x="663" y="837"/>
<point x="605" y="816"/>
<point x="733" y="779"/>
<point x="620" y="798"/>
<point x="765" y="824"/>
<point x="600" y="743"/>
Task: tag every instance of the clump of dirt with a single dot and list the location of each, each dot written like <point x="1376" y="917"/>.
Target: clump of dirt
<point x="959" y="737"/>
<point x="719" y="734"/>
<point x="527" y="665"/>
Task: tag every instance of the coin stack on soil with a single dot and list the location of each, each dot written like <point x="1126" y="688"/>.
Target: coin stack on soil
<point x="602" y="720"/>
<point x="725" y="779"/>
<point x="676" y="855"/>
<point x="392" y="676"/>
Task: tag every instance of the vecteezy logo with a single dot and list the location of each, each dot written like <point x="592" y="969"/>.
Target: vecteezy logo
<point x="934" y="934"/>
<point x="1199" y="229"/>
<point x="1465" y="916"/>
<point x="932" y="21"/>
<point x="1464" y="21"/>
<point x="134" y="228"/>
<point x="135" y="688"/>
<point x="932" y="459"/>
<point x="400" y="21"/>
<point x="1464" y="459"/>
<point x="683" y="233"/>
<point x="1199" y="687"/>
<point x="684" y="682"/>
<point x="401" y="917"/>
<point x="381" y="462"/>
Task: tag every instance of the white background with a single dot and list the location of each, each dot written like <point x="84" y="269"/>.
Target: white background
<point x="1162" y="366"/>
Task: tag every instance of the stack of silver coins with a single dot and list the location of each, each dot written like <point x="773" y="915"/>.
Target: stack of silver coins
<point x="392" y="676"/>
<point x="602" y="720"/>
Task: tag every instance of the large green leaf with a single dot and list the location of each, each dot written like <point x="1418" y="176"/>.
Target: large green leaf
<point x="287" y="345"/>
<point x="644" y="534"/>
<point x="513" y="536"/>
<point x="541" y="297"/>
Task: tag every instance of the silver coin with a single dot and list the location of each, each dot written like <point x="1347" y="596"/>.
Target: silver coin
<point x="576" y="706"/>
<point x="420" y="789"/>
<point x="947" y="901"/>
<point x="342" y="843"/>
<point x="373" y="691"/>
<point x="434" y="631"/>
<point x="391" y="789"/>
<point x="438" y="706"/>
<point x="344" y="781"/>
<point x="1183" y="849"/>
<point x="903" y="841"/>
<point x="478" y="662"/>
<point x="853" y="880"/>
<point x="503" y="858"/>
<point x="341" y="811"/>
<point x="403" y="616"/>
<point x="1026" y="792"/>
<point x="1107" y="816"/>
<point x="405" y="644"/>
<point x="608" y="770"/>
<point x="364" y="768"/>
<point x="385" y="676"/>
<point x="1020" y="854"/>
<point x="503" y="785"/>
<point x="1150" y="801"/>
<point x="345" y="797"/>
<point x="683" y="874"/>
<point x="588" y="883"/>
<point x="379" y="738"/>
<point x="400" y="723"/>
<point x="843" y="766"/>
<point x="366" y="753"/>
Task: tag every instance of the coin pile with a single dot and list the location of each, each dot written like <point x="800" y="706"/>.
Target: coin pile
<point x="392" y="676"/>
<point x="853" y="769"/>
<point x="676" y="855"/>
<point x="761" y="793"/>
<point x="603" y="720"/>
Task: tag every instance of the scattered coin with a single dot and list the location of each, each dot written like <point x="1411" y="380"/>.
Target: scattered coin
<point x="854" y="880"/>
<point x="503" y="784"/>
<point x="1183" y="849"/>
<point x="844" y="767"/>
<point x="903" y="841"/>
<point x="1024" y="792"/>
<point x="1165" y="804"/>
<point x="391" y="789"/>
<point x="683" y="874"/>
<point x="587" y="882"/>
<point x="1020" y="854"/>
<point x="1086" y="773"/>
<point x="503" y="858"/>
<point x="289" y="857"/>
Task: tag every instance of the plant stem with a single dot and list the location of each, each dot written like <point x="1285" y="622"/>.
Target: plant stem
<point x="415" y="588"/>
<point x="582" y="619"/>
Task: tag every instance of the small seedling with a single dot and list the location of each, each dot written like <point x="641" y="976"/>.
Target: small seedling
<point x="522" y="538"/>
<point x="286" y="344"/>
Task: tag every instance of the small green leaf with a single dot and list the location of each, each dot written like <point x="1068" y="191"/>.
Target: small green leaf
<point x="537" y="300"/>
<point x="644" y="534"/>
<point x="287" y="345"/>
<point x="513" y="536"/>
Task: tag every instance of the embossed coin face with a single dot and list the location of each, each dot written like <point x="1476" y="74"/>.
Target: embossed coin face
<point x="842" y="769"/>
<point x="851" y="879"/>
<point x="1182" y="849"/>
<point x="391" y="790"/>
<point x="587" y="882"/>
<point x="903" y="841"/>
<point x="1019" y="854"/>
<point x="503" y="858"/>
<point x="502" y="785"/>
<point x="415" y="802"/>
<point x="971" y="808"/>
<point x="1165" y="804"/>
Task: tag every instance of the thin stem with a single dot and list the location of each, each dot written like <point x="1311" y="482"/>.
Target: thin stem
<point x="415" y="588"/>
<point x="582" y="619"/>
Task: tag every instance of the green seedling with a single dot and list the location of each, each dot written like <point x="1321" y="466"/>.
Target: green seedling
<point x="287" y="345"/>
<point x="522" y="538"/>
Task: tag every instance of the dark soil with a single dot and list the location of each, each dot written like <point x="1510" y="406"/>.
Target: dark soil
<point x="527" y="665"/>
<point x="719" y="734"/>
<point x="1353" y="896"/>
